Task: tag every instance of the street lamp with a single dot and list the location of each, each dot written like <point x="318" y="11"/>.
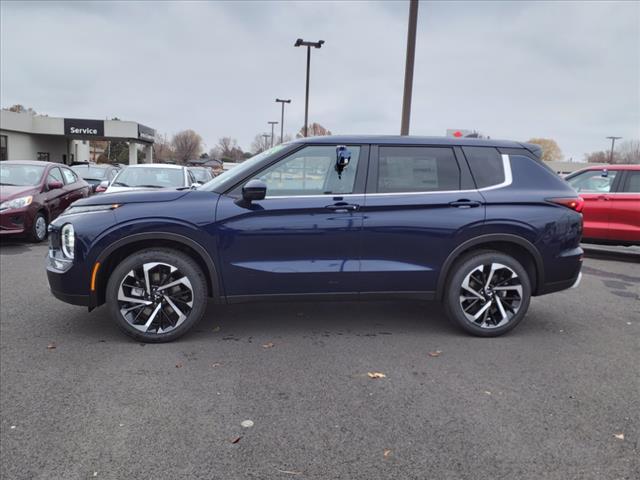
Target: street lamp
<point x="272" y="125"/>
<point x="265" y="136"/>
<point x="282" y="118"/>
<point x="613" y="142"/>
<point x="301" y="43"/>
<point x="408" y="69"/>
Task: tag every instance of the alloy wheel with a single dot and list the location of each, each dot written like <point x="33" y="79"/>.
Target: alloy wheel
<point x="491" y="295"/>
<point x="155" y="297"/>
<point x="41" y="227"/>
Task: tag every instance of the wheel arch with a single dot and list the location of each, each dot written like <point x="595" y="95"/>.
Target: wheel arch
<point x="518" y="247"/>
<point x="110" y="257"/>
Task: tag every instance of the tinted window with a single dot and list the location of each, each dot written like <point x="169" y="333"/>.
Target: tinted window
<point x="417" y="169"/>
<point x="20" y="175"/>
<point x="486" y="165"/>
<point x="69" y="176"/>
<point x="593" y="181"/>
<point x="632" y="183"/>
<point x="55" y="175"/>
<point x="310" y="171"/>
<point x="90" y="173"/>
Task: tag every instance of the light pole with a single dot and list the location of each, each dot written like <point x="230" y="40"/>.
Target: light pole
<point x="273" y="124"/>
<point x="408" y="69"/>
<point x="282" y="117"/>
<point x="265" y="136"/>
<point x="301" y="43"/>
<point x="613" y="142"/>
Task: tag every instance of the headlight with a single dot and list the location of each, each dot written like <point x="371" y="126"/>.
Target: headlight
<point x="16" y="203"/>
<point x="68" y="240"/>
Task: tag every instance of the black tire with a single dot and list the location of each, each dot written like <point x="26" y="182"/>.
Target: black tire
<point x="196" y="290"/>
<point x="508" y="299"/>
<point x="37" y="234"/>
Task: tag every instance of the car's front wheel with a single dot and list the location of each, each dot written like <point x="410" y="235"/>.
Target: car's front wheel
<point x="488" y="293"/>
<point x="38" y="228"/>
<point x="157" y="295"/>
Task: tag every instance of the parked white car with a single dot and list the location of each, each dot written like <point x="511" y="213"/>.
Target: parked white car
<point x="152" y="175"/>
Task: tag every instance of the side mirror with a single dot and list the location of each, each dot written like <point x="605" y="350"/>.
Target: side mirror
<point x="196" y="184"/>
<point x="343" y="156"/>
<point x="254" y="190"/>
<point x="102" y="186"/>
<point x="54" y="184"/>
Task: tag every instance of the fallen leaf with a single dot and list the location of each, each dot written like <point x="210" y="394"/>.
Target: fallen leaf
<point x="435" y="354"/>
<point x="246" y="424"/>
<point x="216" y="329"/>
<point x="51" y="346"/>
<point x="95" y="474"/>
<point x="619" y="436"/>
<point x="214" y="365"/>
<point x="178" y="365"/>
<point x="13" y="427"/>
<point x="376" y="375"/>
<point x="268" y="345"/>
<point x="386" y="453"/>
<point x="290" y="472"/>
<point x="487" y="392"/>
<point x="235" y="440"/>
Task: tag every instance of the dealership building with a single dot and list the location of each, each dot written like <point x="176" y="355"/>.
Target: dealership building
<point x="25" y="136"/>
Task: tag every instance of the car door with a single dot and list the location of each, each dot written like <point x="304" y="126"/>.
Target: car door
<point x="415" y="212"/>
<point x="74" y="188"/>
<point x="594" y="187"/>
<point x="624" y="218"/>
<point x="303" y="238"/>
<point x="54" y="198"/>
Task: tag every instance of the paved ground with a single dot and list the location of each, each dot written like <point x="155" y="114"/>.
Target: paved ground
<point x="544" y="402"/>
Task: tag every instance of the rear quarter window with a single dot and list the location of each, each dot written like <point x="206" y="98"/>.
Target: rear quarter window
<point x="486" y="165"/>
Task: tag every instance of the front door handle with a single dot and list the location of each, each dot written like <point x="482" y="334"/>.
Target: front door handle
<point x="464" y="203"/>
<point x="343" y="207"/>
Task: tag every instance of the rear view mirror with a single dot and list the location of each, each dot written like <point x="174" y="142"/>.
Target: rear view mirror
<point x="343" y="156"/>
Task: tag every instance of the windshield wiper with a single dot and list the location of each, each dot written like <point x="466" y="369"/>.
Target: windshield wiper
<point x="149" y="186"/>
<point x="122" y="184"/>
<point x="9" y="184"/>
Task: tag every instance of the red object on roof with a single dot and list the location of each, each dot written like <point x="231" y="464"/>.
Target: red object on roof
<point x="457" y="133"/>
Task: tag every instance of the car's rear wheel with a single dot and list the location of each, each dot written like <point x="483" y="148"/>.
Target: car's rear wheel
<point x="38" y="228"/>
<point x="488" y="293"/>
<point x="157" y="295"/>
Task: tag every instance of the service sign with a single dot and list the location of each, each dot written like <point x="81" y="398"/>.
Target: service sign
<point x="146" y="133"/>
<point x="83" y="128"/>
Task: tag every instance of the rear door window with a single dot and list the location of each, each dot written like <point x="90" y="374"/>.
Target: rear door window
<point x="486" y="165"/>
<point x="632" y="182"/>
<point x="417" y="169"/>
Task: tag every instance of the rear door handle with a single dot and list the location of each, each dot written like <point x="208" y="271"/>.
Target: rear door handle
<point x="464" y="203"/>
<point x="343" y="207"/>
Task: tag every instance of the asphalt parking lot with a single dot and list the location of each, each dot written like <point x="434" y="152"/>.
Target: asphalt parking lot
<point x="558" y="398"/>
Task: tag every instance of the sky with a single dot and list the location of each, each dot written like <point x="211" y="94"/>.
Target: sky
<point x="512" y="70"/>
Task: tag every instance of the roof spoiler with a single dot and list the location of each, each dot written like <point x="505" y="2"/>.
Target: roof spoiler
<point x="533" y="148"/>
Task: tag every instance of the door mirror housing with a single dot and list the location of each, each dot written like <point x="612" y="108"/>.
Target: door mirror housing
<point x="252" y="190"/>
<point x="343" y="156"/>
<point x="54" y="184"/>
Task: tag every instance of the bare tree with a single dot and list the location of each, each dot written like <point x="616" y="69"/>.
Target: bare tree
<point x="314" y="130"/>
<point x="599" y="157"/>
<point x="162" y="150"/>
<point x="227" y="149"/>
<point x="187" y="145"/>
<point x="21" y="109"/>
<point x="628" y="152"/>
<point x="260" y="143"/>
<point x="550" y="150"/>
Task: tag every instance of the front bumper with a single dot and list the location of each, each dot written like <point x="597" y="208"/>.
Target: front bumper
<point x="15" y="221"/>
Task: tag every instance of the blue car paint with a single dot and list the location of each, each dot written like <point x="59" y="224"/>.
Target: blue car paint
<point x="395" y="243"/>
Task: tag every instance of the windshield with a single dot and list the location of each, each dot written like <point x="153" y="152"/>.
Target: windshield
<point x="90" y="173"/>
<point x="241" y="168"/>
<point x="20" y="175"/>
<point x="153" y="177"/>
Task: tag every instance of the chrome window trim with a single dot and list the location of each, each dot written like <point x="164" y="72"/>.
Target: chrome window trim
<point x="508" y="180"/>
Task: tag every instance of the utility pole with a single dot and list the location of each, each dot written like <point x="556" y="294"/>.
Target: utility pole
<point x="408" y="70"/>
<point x="282" y="118"/>
<point x="301" y="43"/>
<point x="272" y="125"/>
<point x="613" y="142"/>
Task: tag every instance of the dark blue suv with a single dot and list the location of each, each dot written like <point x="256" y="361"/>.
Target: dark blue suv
<point x="480" y="225"/>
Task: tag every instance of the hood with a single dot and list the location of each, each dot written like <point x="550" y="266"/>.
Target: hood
<point x="133" y="196"/>
<point x="7" y="192"/>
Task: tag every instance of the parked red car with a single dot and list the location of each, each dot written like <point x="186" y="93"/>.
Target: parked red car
<point x="611" y="203"/>
<point x="33" y="193"/>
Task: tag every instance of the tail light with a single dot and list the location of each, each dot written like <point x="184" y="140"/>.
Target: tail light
<point x="576" y="203"/>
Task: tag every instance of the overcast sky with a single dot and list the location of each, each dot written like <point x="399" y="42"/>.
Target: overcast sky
<point x="514" y="70"/>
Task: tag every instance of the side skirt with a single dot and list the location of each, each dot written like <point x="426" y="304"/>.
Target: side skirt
<point x="331" y="297"/>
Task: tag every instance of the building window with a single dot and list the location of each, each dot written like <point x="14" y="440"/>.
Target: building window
<point x="43" y="156"/>
<point x="4" y="155"/>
